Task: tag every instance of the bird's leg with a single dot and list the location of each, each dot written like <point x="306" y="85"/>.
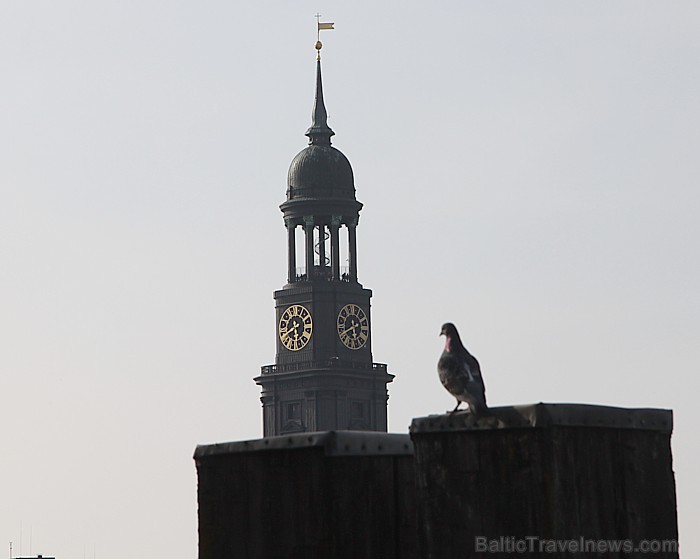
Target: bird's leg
<point x="454" y="410"/>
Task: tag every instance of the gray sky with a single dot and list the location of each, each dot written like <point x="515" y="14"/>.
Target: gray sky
<point x="529" y="171"/>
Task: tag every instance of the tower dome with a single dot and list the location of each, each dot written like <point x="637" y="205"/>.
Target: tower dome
<point x="320" y="171"/>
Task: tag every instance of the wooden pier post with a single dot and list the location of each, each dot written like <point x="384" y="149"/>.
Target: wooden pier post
<point x="334" y="494"/>
<point x="558" y="480"/>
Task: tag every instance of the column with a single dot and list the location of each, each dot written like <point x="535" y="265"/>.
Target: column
<point x="352" y="249"/>
<point x="309" y="229"/>
<point x="291" y="252"/>
<point x="335" y="247"/>
<point x="322" y="245"/>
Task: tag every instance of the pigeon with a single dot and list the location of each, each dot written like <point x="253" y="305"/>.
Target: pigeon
<point x="460" y="373"/>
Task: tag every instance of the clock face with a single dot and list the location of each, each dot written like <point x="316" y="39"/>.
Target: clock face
<point x="295" y="327"/>
<point x="353" y="326"/>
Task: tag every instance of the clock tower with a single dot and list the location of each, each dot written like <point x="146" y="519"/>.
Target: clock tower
<point x="323" y="377"/>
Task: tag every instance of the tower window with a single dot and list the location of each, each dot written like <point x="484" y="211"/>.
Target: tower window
<point x="294" y="411"/>
<point x="357" y="410"/>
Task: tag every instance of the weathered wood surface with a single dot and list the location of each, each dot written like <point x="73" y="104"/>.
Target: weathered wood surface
<point x="341" y="495"/>
<point x="593" y="472"/>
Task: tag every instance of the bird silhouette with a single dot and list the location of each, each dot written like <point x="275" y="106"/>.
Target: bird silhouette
<point x="460" y="373"/>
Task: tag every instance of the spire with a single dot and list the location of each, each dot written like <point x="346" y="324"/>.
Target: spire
<point x="319" y="133"/>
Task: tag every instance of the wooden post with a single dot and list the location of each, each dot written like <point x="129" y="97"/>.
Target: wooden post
<point x="521" y="480"/>
<point x="340" y="495"/>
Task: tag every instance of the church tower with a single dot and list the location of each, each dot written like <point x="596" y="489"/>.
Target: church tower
<point x="323" y="378"/>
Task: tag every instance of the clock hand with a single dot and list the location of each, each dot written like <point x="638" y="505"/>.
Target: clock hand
<point x="291" y="330"/>
<point x="353" y="328"/>
<point x="286" y="334"/>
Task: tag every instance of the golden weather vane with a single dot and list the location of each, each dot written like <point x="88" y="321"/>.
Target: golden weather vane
<point x="319" y="26"/>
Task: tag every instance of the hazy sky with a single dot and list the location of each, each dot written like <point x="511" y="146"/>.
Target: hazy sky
<point x="529" y="171"/>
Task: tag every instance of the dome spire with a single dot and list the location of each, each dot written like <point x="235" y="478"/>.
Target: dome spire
<point x="319" y="133"/>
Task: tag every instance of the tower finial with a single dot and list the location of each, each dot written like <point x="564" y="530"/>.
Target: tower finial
<point x="319" y="26"/>
<point x="319" y="133"/>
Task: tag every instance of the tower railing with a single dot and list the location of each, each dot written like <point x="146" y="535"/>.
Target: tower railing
<point x="333" y="363"/>
<point x="323" y="273"/>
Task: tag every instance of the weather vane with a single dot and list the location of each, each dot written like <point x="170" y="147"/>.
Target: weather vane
<point x="320" y="25"/>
